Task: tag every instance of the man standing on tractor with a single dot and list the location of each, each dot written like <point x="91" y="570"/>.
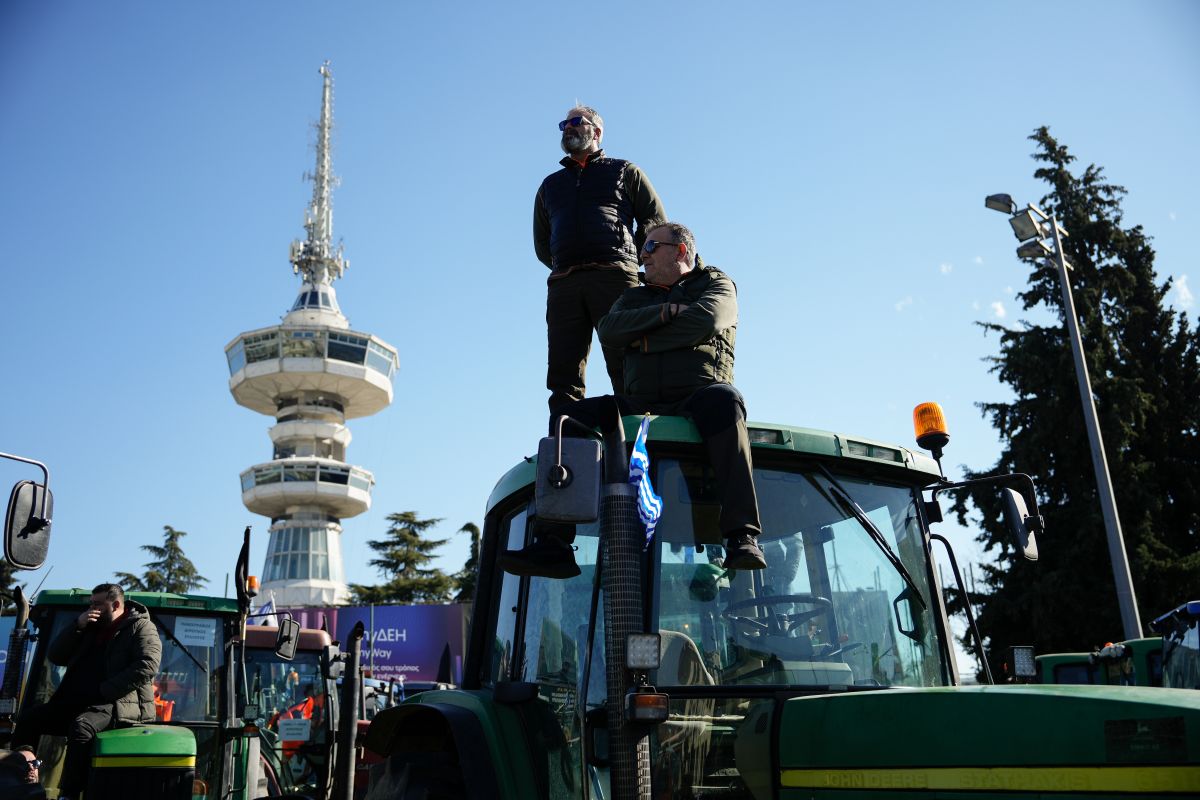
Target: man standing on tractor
<point x="112" y="654"/>
<point x="583" y="230"/>
<point x="677" y="332"/>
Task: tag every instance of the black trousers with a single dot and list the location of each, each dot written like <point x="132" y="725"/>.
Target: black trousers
<point x="71" y="717"/>
<point x="719" y="413"/>
<point x="574" y="304"/>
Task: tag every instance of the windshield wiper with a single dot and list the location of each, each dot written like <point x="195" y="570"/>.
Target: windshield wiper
<point x="848" y="504"/>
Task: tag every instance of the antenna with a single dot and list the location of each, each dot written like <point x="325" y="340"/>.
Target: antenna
<point x="315" y="257"/>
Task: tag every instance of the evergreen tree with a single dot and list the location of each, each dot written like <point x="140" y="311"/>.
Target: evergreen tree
<point x="1144" y="362"/>
<point x="170" y="571"/>
<point x="465" y="580"/>
<point x="403" y="558"/>
<point x="8" y="582"/>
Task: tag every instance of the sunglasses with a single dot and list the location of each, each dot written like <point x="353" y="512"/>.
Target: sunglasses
<point x="30" y="766"/>
<point x="574" y="122"/>
<point x="651" y="245"/>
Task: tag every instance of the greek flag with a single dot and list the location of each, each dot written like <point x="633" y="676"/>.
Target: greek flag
<point x="649" y="504"/>
<point x="265" y="613"/>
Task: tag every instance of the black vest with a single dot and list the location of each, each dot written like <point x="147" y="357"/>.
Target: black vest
<point x="591" y="214"/>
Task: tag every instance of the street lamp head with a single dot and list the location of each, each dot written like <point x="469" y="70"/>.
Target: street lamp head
<point x="1001" y="202"/>
<point x="1035" y="248"/>
<point x="1027" y="226"/>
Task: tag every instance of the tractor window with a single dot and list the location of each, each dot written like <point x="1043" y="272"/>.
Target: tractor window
<point x="187" y="686"/>
<point x="500" y="662"/>
<point x="829" y="609"/>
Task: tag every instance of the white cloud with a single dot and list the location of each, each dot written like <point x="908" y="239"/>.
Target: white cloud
<point x="1172" y="216"/>
<point x="905" y="303"/>
<point x="978" y="259"/>
<point x="1008" y="290"/>
<point x="1186" y="298"/>
<point x="998" y="310"/>
<point x="975" y="305"/>
<point x="946" y="267"/>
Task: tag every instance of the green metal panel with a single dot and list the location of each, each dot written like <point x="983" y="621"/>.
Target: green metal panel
<point x="162" y="601"/>
<point x="146" y="740"/>
<point x="908" y="465"/>
<point x="1132" y="741"/>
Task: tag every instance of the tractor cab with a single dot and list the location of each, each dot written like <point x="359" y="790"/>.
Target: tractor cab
<point x="293" y="703"/>
<point x="1180" y="629"/>
<point x="180" y="755"/>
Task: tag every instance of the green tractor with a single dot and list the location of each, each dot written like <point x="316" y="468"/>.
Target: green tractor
<point x="213" y="737"/>
<point x="1134" y="662"/>
<point x="659" y="673"/>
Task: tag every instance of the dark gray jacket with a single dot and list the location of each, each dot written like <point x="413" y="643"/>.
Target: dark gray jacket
<point x="674" y="356"/>
<point x="131" y="660"/>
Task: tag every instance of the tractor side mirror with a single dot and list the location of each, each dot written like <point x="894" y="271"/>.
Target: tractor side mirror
<point x="331" y="662"/>
<point x="1021" y="524"/>
<point x="288" y="639"/>
<point x="27" y="525"/>
<point x="568" y="480"/>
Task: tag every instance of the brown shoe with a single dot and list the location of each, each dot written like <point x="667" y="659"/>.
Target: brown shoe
<point x="742" y="552"/>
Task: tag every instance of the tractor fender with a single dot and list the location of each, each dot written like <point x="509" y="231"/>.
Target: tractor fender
<point x="428" y="729"/>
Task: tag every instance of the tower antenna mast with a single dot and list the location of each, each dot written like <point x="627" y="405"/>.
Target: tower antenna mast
<point x="315" y="257"/>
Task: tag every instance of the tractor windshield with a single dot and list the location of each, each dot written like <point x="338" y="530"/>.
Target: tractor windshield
<point x="187" y="687"/>
<point x="830" y="609"/>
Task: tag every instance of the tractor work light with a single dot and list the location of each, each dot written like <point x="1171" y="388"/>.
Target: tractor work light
<point x="1001" y="202"/>
<point x="1023" y="663"/>
<point x="642" y="651"/>
<point x="929" y="425"/>
<point x="647" y="705"/>
<point x="1035" y="248"/>
<point x="1027" y="226"/>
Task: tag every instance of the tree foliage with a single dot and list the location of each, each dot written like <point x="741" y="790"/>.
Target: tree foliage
<point x="1144" y="362"/>
<point x="465" y="580"/>
<point x="170" y="571"/>
<point x="403" y="558"/>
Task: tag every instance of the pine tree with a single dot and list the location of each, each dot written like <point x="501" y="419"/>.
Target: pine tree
<point x="403" y="556"/>
<point x="170" y="571"/>
<point x="465" y="580"/>
<point x="1144" y="362"/>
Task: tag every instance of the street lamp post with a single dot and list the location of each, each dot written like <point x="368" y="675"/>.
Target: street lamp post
<point x="1030" y="226"/>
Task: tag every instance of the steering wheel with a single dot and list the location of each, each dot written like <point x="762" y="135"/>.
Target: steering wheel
<point x="778" y="624"/>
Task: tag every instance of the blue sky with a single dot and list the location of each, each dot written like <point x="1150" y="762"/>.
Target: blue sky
<point x="832" y="158"/>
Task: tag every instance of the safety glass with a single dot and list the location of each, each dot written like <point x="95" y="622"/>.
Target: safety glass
<point x="574" y="122"/>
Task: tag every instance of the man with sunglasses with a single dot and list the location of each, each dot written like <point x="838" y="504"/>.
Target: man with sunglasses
<point x="584" y="219"/>
<point x="677" y="333"/>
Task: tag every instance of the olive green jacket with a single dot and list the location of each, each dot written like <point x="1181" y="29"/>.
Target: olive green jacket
<point x="668" y="357"/>
<point x="131" y="660"/>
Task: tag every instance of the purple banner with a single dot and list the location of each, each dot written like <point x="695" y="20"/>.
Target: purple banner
<point x="416" y="643"/>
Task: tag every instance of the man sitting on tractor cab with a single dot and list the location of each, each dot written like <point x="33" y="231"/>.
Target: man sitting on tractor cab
<point x="678" y="333"/>
<point x="111" y="654"/>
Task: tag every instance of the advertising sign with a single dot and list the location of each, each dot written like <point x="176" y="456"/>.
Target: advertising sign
<point x="413" y="643"/>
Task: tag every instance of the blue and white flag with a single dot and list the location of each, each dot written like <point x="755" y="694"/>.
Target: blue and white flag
<point x="649" y="504"/>
<point x="265" y="615"/>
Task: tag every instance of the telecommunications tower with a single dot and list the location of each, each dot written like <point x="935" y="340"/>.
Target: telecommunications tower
<point x="311" y="373"/>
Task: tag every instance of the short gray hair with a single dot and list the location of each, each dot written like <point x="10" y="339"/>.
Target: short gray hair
<point x="679" y="235"/>
<point x="590" y="113"/>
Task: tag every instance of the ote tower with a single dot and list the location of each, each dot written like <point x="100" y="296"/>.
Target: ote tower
<point x="312" y="373"/>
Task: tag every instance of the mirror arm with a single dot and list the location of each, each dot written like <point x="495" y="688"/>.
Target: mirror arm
<point x="1017" y="480"/>
<point x="962" y="587"/>
<point x="42" y="521"/>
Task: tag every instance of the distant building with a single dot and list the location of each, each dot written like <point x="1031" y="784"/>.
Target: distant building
<point x="311" y="373"/>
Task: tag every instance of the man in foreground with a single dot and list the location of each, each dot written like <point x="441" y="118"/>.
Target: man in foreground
<point x="677" y="332"/>
<point x="112" y="654"/>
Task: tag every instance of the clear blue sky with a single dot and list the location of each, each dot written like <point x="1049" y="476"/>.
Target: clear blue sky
<point x="832" y="158"/>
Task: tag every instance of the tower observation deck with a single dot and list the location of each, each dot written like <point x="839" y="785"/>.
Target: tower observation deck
<point x="311" y="373"/>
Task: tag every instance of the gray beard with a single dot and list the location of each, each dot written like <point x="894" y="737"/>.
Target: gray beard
<point x="574" y="141"/>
